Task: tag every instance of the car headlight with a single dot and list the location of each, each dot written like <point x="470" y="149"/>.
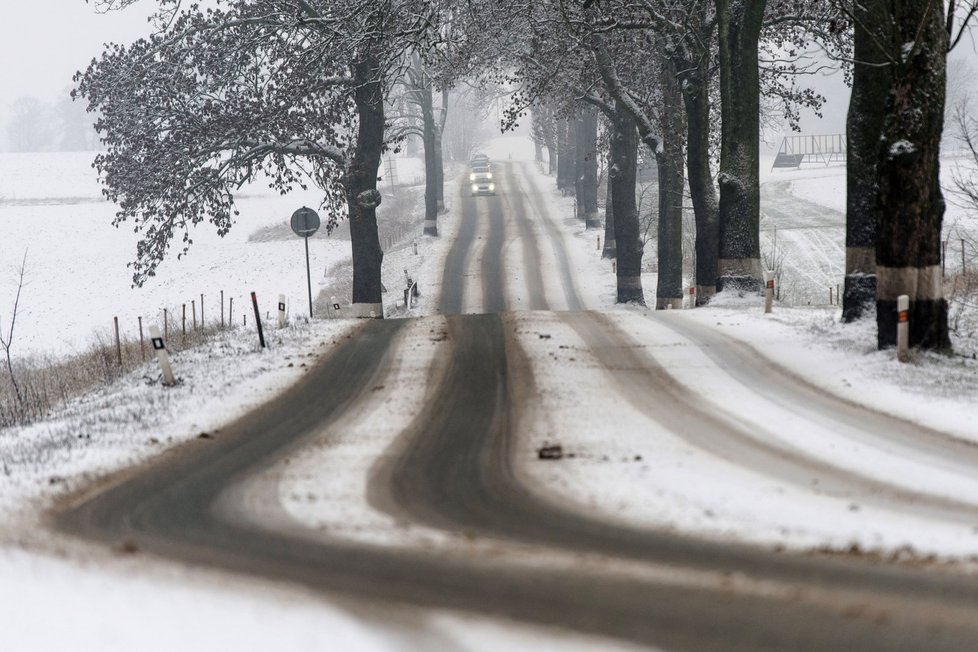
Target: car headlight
<point x="475" y="187"/>
<point x="492" y="187"/>
<point x="472" y="177"/>
<point x="489" y="175"/>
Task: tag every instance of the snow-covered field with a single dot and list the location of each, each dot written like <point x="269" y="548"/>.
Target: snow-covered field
<point x="803" y="227"/>
<point x="113" y="602"/>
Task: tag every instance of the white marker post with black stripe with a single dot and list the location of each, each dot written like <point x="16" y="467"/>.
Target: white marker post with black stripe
<point x="903" y="328"/>
<point x="160" y="347"/>
<point x="281" y="311"/>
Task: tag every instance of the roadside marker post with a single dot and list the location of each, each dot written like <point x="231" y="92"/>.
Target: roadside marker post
<point x="692" y="297"/>
<point x="281" y="311"/>
<point x="160" y="347"/>
<point x="903" y="328"/>
<point x="261" y="334"/>
<point x="333" y="309"/>
<point x="768" y="290"/>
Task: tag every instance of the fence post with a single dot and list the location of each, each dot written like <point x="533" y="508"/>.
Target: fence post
<point x="202" y="311"/>
<point x="261" y="334"/>
<point x="964" y="265"/>
<point x="118" y="342"/>
<point x="230" y="311"/>
<point x="768" y="290"/>
<point x="166" y="326"/>
<point x="159" y="345"/>
<point x="183" y="335"/>
<point x="142" y="346"/>
<point x="903" y="328"/>
<point x="193" y="310"/>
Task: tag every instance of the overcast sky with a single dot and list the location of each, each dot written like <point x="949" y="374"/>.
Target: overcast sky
<point x="43" y="43"/>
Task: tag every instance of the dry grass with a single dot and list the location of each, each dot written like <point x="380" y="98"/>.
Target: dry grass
<point x="47" y="383"/>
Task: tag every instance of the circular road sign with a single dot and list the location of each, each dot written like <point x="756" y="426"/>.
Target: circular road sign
<point x="305" y="222"/>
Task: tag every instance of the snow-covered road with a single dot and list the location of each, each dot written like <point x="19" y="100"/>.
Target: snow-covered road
<point x="697" y="471"/>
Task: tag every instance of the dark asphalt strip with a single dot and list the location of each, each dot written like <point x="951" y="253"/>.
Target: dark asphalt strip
<point x="517" y="204"/>
<point x="453" y="277"/>
<point x="556" y="238"/>
<point x="493" y="281"/>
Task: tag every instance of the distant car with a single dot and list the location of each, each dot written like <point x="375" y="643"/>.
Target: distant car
<point x="483" y="171"/>
<point x="482" y="183"/>
<point x="478" y="158"/>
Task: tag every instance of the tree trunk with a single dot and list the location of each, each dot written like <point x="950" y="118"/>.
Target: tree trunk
<point x="624" y="156"/>
<point x="609" y="250"/>
<point x="565" y="155"/>
<point x="549" y="128"/>
<point x="864" y="123"/>
<point x="580" y="154"/>
<point x="587" y="145"/>
<point x="911" y="206"/>
<point x="669" y="288"/>
<point x="440" y="151"/>
<point x="694" y="78"/>
<point x="739" y="264"/>
<point x="426" y="103"/>
<point x="361" y="189"/>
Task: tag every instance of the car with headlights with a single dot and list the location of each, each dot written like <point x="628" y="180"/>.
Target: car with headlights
<point x="481" y="180"/>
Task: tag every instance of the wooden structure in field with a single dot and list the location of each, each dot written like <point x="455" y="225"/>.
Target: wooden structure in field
<point x="798" y="150"/>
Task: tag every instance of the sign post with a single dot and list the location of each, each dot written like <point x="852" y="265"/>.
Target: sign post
<point x="305" y="222"/>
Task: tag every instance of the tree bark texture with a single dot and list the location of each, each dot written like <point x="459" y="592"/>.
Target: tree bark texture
<point x="361" y="188"/>
<point x="864" y="125"/>
<point x="429" y="129"/>
<point x="609" y="250"/>
<point x="587" y="174"/>
<point x="669" y="287"/>
<point x="739" y="264"/>
<point x="440" y="150"/>
<point x="565" y="154"/>
<point x="694" y="80"/>
<point x="629" y="248"/>
<point x="911" y="206"/>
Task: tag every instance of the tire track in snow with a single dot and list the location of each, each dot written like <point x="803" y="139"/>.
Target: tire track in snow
<point x="865" y="427"/>
<point x="556" y="240"/>
<point x="650" y="388"/>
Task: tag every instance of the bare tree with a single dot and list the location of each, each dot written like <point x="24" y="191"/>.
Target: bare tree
<point x="28" y="129"/>
<point x="6" y="341"/>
